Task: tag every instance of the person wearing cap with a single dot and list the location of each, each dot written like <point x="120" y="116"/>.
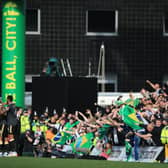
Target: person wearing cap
<point x="43" y="124"/>
<point x="46" y="116"/>
<point x="35" y="121"/>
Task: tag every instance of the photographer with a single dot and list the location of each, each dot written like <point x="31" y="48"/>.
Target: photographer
<point x="28" y="143"/>
<point x="37" y="140"/>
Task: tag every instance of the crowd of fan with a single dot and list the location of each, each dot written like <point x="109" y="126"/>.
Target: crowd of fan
<point x="35" y="134"/>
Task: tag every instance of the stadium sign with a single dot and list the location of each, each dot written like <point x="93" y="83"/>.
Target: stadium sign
<point x="13" y="50"/>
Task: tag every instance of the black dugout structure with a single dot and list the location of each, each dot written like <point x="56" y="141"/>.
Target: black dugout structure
<point x="71" y="93"/>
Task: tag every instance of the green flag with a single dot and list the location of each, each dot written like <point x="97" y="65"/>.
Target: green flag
<point x="61" y="138"/>
<point x="83" y="143"/>
<point x="129" y="117"/>
<point x="68" y="126"/>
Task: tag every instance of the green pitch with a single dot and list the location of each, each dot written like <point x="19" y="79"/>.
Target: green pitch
<point x="23" y="162"/>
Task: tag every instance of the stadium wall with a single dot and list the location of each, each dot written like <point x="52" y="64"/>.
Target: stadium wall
<point x="137" y="53"/>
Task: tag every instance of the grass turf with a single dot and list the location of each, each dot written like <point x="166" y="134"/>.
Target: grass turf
<point x="25" y="162"/>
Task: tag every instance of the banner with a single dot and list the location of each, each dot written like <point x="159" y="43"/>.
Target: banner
<point x="146" y="154"/>
<point x="13" y="50"/>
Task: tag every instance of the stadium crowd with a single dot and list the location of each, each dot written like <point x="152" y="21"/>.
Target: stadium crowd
<point x="132" y="123"/>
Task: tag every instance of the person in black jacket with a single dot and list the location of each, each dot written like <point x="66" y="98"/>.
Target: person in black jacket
<point x="11" y="119"/>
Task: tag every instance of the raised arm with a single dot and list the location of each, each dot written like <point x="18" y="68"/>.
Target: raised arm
<point x="145" y="136"/>
<point x="77" y="118"/>
<point x="91" y="125"/>
<point x="90" y="113"/>
<point x="151" y="84"/>
<point x="84" y="117"/>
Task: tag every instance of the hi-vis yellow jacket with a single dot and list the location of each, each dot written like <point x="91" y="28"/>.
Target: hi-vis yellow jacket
<point x="164" y="135"/>
<point x="25" y="123"/>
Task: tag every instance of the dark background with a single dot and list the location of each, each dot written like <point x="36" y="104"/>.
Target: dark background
<point x="139" y="52"/>
<point x="71" y="93"/>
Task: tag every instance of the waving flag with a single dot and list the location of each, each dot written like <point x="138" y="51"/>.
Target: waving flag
<point x="83" y="143"/>
<point x="129" y="117"/>
<point x="61" y="138"/>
